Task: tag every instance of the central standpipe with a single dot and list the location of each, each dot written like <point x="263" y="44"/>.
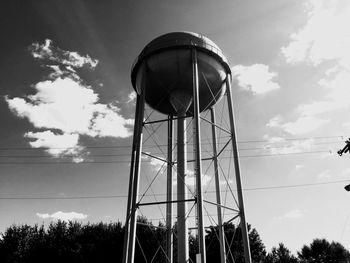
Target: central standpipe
<point x="169" y="193"/>
<point x="201" y="257"/>
<point x="181" y="101"/>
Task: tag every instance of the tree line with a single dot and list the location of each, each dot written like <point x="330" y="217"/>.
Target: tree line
<point x="101" y="242"/>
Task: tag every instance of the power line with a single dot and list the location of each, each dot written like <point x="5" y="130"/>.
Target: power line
<point x="127" y="161"/>
<point x="295" y="185"/>
<point x="295" y="139"/>
<point x="125" y="196"/>
<point x="283" y="154"/>
<point x="152" y="146"/>
<point x="128" y="154"/>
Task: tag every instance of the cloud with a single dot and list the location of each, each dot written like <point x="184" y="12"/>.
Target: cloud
<point x="132" y="97"/>
<point x="64" y="107"/>
<point x="303" y="125"/>
<point x="50" y="53"/>
<point x="273" y="139"/>
<point x="324" y="38"/>
<point x="256" y="78"/>
<point x="346" y="125"/>
<point x="64" y="216"/>
<point x="57" y="144"/>
<point x="325" y="175"/>
<point x="298" y="167"/>
<point x="277" y="145"/>
<point x="345" y="174"/>
<point x="292" y="214"/>
<point x="191" y="179"/>
<point x="156" y="164"/>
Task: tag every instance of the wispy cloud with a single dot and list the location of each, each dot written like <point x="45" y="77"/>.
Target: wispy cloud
<point x="132" y="97"/>
<point x="191" y="179"/>
<point x="303" y="124"/>
<point x="48" y="52"/>
<point x="292" y="214"/>
<point x="64" y="107"/>
<point x="64" y="216"/>
<point x="278" y="145"/>
<point x="256" y="78"/>
<point x="324" y="37"/>
<point x="324" y="175"/>
<point x="346" y="125"/>
<point x="155" y="163"/>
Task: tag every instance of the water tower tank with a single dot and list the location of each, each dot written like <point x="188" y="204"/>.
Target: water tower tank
<point x="168" y="68"/>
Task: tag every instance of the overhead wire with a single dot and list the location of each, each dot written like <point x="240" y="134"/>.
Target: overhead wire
<point x="125" y="196"/>
<point x="163" y="145"/>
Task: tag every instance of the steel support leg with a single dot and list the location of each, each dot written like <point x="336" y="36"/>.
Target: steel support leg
<point x="198" y="157"/>
<point x="131" y="181"/>
<point x="169" y="206"/>
<point x="244" y="227"/>
<point x="131" y="217"/>
<point x="217" y="188"/>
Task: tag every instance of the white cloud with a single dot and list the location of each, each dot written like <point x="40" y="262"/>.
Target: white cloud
<point x="62" y="104"/>
<point x="345" y="174"/>
<point x="324" y="175"/>
<point x="294" y="147"/>
<point x="48" y="52"/>
<point x="273" y="139"/>
<point x="298" y="167"/>
<point x="158" y="164"/>
<point x="191" y="179"/>
<point x="109" y="123"/>
<point x="64" y="216"/>
<point x="274" y="122"/>
<point x="155" y="163"/>
<point x="346" y="125"/>
<point x="292" y="214"/>
<point x="132" y="97"/>
<point x="303" y="125"/>
<point x="65" y="107"/>
<point x="57" y="144"/>
<point x="256" y="78"/>
<point x="324" y="37"/>
<point x="278" y="145"/>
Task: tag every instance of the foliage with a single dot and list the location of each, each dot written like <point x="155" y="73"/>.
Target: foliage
<point x="280" y="255"/>
<point x="62" y="242"/>
<point x="320" y="250"/>
<point x="150" y="241"/>
<point x="233" y="240"/>
<point x="74" y="242"/>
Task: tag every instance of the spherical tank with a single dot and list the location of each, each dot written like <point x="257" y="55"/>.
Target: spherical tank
<point x="165" y="66"/>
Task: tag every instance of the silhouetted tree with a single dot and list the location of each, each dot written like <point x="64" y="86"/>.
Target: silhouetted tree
<point x="280" y="255"/>
<point x="62" y="242"/>
<point x="73" y="242"/>
<point x="320" y="250"/>
<point x="234" y="244"/>
<point x="150" y="241"/>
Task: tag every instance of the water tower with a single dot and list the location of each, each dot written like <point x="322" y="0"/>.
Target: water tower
<point x="182" y="75"/>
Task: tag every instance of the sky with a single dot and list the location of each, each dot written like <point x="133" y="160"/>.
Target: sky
<point x="67" y="108"/>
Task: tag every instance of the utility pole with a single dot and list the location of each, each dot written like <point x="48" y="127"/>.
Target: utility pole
<point x="345" y="149"/>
